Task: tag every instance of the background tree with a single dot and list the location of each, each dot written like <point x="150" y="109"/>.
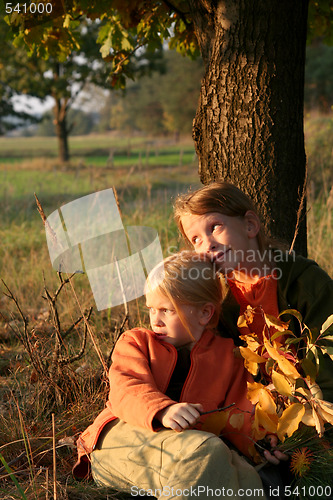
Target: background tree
<point x="179" y="91"/>
<point x="61" y="78"/>
<point x="319" y="77"/>
<point x="80" y="123"/>
<point x="10" y="118"/>
<point x="160" y="103"/>
<point x="249" y="123"/>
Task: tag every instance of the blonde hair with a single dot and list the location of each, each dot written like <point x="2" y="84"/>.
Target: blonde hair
<point x="222" y="197"/>
<point x="188" y="278"/>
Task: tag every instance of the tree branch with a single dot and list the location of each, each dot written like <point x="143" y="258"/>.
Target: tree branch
<point x="180" y="13"/>
<point x="300" y="215"/>
<point x="75" y="357"/>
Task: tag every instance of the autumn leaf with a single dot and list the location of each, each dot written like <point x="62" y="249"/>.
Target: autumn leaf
<point x="289" y="420"/>
<point x="307" y="418"/>
<point x="276" y="323"/>
<point x="305" y="393"/>
<point x="246" y="318"/>
<point x="251" y="367"/>
<point x="267" y="402"/>
<point x="263" y="423"/>
<point x="251" y="341"/>
<point x="251" y="360"/>
<point x="241" y="322"/>
<point x="314" y="389"/>
<point x="215" y="422"/>
<point x="285" y="366"/>
<point x="281" y="384"/>
<point x="253" y="391"/>
<point x="326" y="410"/>
<point x="249" y="355"/>
<point x="237" y="420"/>
<point x="318" y="422"/>
<point x="326" y="416"/>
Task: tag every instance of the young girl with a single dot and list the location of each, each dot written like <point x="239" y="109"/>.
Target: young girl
<point x="219" y="220"/>
<point x="153" y="436"/>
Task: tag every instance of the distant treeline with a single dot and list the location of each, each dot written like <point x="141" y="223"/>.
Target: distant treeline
<point x="165" y="103"/>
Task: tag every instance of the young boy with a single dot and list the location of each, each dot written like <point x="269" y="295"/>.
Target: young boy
<point x="153" y="436"/>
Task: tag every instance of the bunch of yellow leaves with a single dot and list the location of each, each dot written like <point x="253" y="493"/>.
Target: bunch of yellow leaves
<point x="286" y="393"/>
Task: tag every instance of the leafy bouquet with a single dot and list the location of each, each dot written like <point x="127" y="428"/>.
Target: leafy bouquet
<point x="288" y="401"/>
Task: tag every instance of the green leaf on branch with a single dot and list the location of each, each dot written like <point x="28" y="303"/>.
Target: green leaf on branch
<point x="327" y="350"/>
<point x="281" y="334"/>
<point x="106" y="47"/>
<point x="327" y="326"/>
<point x="309" y="368"/>
<point x="292" y="312"/>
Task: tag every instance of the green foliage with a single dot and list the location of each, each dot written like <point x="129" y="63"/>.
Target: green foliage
<point x="124" y="27"/>
<point x="79" y="123"/>
<point x="320" y="24"/>
<point x="160" y="103"/>
<point x="145" y="195"/>
<point x="319" y="77"/>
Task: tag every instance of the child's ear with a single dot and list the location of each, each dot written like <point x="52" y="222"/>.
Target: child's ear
<point x="252" y="223"/>
<point x="206" y="313"/>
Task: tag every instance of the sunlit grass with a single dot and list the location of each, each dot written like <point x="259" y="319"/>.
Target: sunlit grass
<point x="147" y="176"/>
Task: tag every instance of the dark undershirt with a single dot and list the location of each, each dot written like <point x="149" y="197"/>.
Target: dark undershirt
<point x="179" y="374"/>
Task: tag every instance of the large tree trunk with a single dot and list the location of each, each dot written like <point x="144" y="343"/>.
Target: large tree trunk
<point x="61" y="132"/>
<point x="60" y="116"/>
<point x="249" y="124"/>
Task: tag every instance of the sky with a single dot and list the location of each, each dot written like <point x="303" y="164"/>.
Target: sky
<point x="32" y="105"/>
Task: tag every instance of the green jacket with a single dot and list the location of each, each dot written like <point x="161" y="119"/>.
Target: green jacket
<point x="304" y="286"/>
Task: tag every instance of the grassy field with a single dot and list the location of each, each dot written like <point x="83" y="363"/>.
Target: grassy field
<point x="147" y="174"/>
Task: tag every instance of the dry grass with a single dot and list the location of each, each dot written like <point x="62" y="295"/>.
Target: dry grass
<point x="78" y="391"/>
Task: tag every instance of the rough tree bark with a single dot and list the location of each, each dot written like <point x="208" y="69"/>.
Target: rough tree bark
<point x="61" y="131"/>
<point x="249" y="124"/>
<point x="60" y="110"/>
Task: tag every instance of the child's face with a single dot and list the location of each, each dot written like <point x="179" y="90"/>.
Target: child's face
<point x="166" y="323"/>
<point x="227" y="240"/>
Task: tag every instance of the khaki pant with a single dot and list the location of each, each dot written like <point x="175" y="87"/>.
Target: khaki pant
<point x="171" y="464"/>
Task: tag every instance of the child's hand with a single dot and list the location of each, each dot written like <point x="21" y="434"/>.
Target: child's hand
<point x="179" y="416"/>
<point x="275" y="456"/>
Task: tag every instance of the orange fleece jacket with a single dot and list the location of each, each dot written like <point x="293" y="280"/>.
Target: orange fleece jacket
<point x="141" y="369"/>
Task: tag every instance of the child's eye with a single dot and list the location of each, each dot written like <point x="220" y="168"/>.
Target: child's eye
<point x="195" y="240"/>
<point x="216" y="226"/>
<point x="168" y="311"/>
